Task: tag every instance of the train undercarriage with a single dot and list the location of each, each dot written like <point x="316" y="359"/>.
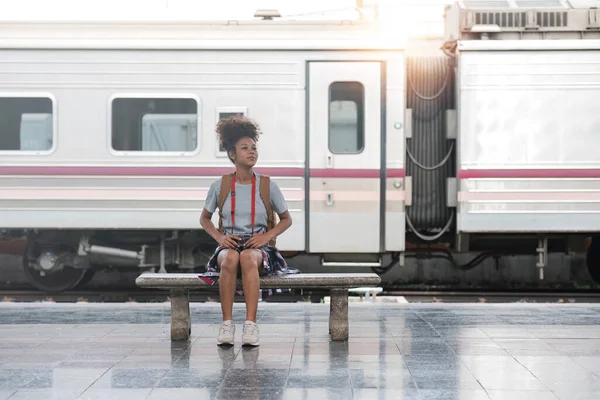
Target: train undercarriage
<point x="56" y="261"/>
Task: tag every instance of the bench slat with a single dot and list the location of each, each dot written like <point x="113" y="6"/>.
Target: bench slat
<point x="192" y="281"/>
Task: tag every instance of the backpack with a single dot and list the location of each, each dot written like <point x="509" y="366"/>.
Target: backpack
<point x="265" y="194"/>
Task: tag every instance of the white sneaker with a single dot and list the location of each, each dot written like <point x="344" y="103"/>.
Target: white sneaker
<point x="250" y="334"/>
<point x="226" y="333"/>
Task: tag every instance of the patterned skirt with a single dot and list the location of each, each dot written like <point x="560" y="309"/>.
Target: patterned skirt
<point x="272" y="263"/>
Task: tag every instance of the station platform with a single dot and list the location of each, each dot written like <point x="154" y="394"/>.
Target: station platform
<point x="395" y="351"/>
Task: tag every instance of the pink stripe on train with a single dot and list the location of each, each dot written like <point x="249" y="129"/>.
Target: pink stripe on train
<point x="529" y="196"/>
<point x="527" y="173"/>
<point x="191" y="171"/>
<point x="101" y="194"/>
<point x="139" y="171"/>
<point x="104" y="194"/>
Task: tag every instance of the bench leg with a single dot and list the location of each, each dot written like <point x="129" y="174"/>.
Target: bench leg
<point x="181" y="324"/>
<point x="330" y="312"/>
<point x="338" y="315"/>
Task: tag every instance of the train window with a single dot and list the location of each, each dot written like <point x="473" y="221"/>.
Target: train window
<point x="26" y="124"/>
<point x="224" y="113"/>
<point x="154" y="124"/>
<point x="346" y="117"/>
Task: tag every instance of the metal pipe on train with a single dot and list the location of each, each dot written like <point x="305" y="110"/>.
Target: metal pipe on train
<point x="483" y="146"/>
<point x="109" y="251"/>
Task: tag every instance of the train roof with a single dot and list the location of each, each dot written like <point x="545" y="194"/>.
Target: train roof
<point x="176" y="33"/>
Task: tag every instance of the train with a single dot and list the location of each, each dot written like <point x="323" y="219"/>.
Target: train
<point x="483" y="146"/>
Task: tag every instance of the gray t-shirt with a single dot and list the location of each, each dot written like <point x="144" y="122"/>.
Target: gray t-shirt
<point x="243" y="211"/>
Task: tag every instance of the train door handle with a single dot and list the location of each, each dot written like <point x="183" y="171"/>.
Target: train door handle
<point x="329" y="161"/>
<point x="329" y="199"/>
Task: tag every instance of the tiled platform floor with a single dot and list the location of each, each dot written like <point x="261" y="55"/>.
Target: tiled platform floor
<point x="401" y="351"/>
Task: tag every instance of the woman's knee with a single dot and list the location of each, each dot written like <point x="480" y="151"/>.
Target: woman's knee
<point x="229" y="261"/>
<point x="250" y="259"/>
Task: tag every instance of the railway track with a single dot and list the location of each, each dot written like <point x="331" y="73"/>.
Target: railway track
<point x="95" y="296"/>
<point x="148" y="296"/>
<point x="496" y="296"/>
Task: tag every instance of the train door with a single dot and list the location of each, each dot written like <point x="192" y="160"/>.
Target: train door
<point x="344" y="104"/>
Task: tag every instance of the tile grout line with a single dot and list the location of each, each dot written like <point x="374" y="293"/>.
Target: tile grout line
<point x="105" y="372"/>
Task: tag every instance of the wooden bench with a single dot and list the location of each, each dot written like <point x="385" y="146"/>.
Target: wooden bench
<point x="181" y="284"/>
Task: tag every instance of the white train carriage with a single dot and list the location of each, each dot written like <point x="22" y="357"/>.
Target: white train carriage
<point x="108" y="143"/>
<point x="528" y="125"/>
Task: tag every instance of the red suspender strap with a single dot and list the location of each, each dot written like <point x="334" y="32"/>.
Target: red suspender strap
<point x="253" y="207"/>
<point x="233" y="201"/>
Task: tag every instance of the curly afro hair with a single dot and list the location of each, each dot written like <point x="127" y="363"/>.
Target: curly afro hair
<point x="231" y="130"/>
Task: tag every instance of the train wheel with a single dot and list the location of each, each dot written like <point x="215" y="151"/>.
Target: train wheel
<point x="53" y="279"/>
<point x="87" y="278"/>
<point x="593" y="259"/>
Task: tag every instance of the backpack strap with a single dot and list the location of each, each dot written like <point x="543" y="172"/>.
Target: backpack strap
<point x="225" y="189"/>
<point x="265" y="195"/>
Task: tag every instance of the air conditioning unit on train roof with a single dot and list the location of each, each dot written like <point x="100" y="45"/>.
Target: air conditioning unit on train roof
<point x="522" y="19"/>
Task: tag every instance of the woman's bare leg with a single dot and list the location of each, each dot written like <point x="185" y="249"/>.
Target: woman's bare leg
<point x="250" y="260"/>
<point x="228" y="261"/>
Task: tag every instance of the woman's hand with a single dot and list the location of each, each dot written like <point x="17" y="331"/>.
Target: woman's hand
<point x="258" y="241"/>
<point x="228" y="241"/>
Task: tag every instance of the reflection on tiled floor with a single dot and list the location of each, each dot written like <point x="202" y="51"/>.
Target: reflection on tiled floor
<point x="395" y="351"/>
